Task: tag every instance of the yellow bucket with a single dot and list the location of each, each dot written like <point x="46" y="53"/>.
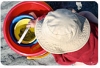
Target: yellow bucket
<point x="19" y="29"/>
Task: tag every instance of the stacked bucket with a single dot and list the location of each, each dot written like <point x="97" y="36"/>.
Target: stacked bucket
<point x="15" y="22"/>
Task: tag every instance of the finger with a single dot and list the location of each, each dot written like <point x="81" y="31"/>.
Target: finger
<point x="28" y="25"/>
<point x="73" y="11"/>
<point x="33" y="14"/>
<point x="33" y="22"/>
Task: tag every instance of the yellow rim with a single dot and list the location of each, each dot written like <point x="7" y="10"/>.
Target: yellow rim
<point x="38" y="57"/>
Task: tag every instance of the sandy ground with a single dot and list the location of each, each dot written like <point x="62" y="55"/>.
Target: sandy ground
<point x="9" y="57"/>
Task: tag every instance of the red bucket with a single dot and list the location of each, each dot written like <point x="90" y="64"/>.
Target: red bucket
<point x="39" y="8"/>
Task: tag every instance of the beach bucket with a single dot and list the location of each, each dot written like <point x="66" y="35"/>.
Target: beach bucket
<point x="39" y="8"/>
<point x="17" y="28"/>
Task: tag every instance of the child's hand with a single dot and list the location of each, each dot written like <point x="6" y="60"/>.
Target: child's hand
<point x="32" y="22"/>
<point x="33" y="14"/>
